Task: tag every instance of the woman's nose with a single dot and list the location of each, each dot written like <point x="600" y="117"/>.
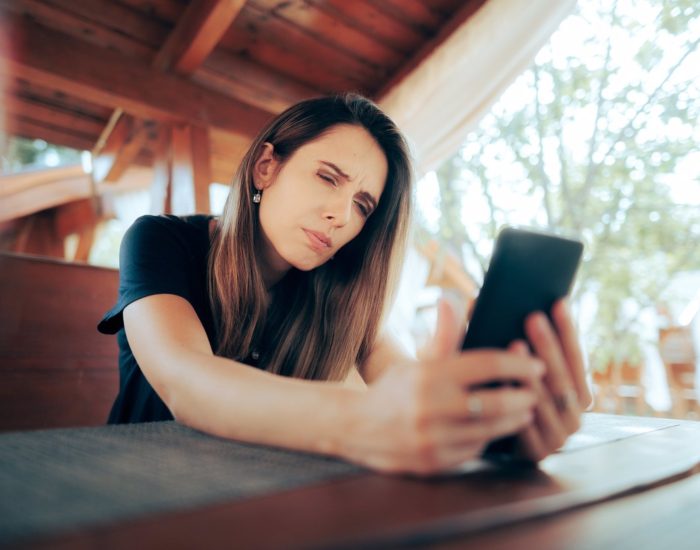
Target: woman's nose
<point x="339" y="210"/>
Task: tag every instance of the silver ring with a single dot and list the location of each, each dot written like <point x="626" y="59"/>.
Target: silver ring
<point x="474" y="406"/>
<point x="566" y="401"/>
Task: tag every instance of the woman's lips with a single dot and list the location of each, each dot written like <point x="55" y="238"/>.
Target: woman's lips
<point x="318" y="241"/>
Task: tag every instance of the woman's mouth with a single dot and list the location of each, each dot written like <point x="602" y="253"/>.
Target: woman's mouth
<point x="318" y="241"/>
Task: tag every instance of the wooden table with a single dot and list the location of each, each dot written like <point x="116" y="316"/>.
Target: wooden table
<point x="640" y="491"/>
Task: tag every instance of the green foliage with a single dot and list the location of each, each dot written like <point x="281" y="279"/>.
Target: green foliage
<point x="597" y="141"/>
<point x="19" y="153"/>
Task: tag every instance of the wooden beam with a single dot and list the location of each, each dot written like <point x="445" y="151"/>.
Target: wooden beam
<point x="122" y="147"/>
<point x="33" y="129"/>
<point x="197" y="33"/>
<point x="251" y="83"/>
<point x="51" y="115"/>
<point x="29" y="192"/>
<point x="108" y="78"/>
<point x="191" y="172"/>
<point x="160" y="188"/>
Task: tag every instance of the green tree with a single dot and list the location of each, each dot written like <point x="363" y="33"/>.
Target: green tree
<point x="18" y="153"/>
<point x="597" y="138"/>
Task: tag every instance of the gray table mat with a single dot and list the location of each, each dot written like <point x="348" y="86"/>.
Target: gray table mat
<point x="57" y="480"/>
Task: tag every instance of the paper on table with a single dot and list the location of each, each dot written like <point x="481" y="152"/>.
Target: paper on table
<point x="599" y="429"/>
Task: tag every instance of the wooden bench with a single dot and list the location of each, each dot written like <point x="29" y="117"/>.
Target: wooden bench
<point x="57" y="370"/>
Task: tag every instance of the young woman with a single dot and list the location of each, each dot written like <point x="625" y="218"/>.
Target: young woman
<point x="250" y="326"/>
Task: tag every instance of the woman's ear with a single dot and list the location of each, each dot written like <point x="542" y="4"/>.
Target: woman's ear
<point x="265" y="167"/>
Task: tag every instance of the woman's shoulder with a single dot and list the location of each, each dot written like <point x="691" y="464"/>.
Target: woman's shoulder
<point x="169" y="222"/>
<point x="190" y="233"/>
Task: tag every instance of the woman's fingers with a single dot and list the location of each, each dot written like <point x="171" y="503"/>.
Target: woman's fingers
<point x="486" y="404"/>
<point x="449" y="333"/>
<point x="572" y="350"/>
<point x="479" y="367"/>
<point x="531" y="445"/>
<point x="562" y="393"/>
<point x="478" y="431"/>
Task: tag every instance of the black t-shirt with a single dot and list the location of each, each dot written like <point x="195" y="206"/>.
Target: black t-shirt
<point x="159" y="255"/>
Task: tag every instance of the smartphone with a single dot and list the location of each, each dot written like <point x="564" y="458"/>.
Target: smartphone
<point x="529" y="271"/>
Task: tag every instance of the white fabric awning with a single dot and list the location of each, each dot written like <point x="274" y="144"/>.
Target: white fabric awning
<point x="438" y="102"/>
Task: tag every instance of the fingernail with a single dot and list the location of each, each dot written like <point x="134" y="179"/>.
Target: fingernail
<point x="539" y="368"/>
<point x="541" y="321"/>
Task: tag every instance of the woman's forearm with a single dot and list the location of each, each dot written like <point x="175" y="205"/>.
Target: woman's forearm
<point x="233" y="400"/>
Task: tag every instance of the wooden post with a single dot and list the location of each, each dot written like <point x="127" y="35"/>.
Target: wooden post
<point x="190" y="169"/>
<point x="160" y="189"/>
<point x="182" y="171"/>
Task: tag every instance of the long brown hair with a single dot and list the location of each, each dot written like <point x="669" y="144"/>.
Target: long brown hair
<point x="314" y="324"/>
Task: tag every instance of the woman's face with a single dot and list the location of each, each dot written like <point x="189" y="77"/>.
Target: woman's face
<point x="319" y="199"/>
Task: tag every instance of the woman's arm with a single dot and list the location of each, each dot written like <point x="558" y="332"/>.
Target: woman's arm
<point x="224" y="397"/>
<point x="413" y="418"/>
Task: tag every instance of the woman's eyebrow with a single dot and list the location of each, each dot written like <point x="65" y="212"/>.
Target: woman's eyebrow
<point x="369" y="198"/>
<point x="336" y="169"/>
<point x="364" y="194"/>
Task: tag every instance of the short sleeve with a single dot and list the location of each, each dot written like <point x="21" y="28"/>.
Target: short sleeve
<point x="152" y="260"/>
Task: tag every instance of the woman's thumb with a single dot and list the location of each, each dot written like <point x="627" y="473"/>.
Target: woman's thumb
<point x="449" y="332"/>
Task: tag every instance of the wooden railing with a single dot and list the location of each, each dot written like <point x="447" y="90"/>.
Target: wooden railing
<point x="56" y="369"/>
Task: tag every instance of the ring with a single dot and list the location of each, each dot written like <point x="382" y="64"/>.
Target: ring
<point x="474" y="406"/>
<point x="566" y="401"/>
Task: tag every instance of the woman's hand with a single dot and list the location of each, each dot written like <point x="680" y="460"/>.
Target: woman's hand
<point x="563" y="393"/>
<point x="427" y="416"/>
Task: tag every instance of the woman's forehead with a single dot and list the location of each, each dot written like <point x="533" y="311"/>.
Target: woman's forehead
<point x="350" y="148"/>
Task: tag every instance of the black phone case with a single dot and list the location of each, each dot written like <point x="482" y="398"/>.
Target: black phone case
<point x="528" y="272"/>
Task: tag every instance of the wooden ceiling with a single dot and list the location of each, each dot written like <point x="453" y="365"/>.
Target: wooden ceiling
<point x="72" y="69"/>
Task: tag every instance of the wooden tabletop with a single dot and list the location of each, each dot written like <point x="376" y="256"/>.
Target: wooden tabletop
<point x="624" y="479"/>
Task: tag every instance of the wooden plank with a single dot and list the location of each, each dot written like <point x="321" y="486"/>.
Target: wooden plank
<point x="21" y="181"/>
<point x="366" y="17"/>
<point x="456" y="21"/>
<point x="196" y="35"/>
<point x="77" y="216"/>
<point x="251" y="83"/>
<point x="33" y="129"/>
<point x="331" y="31"/>
<point x="160" y="188"/>
<point x="109" y="78"/>
<point x="413" y="13"/>
<point x="61" y="100"/>
<point x="116" y="17"/>
<point x="121" y="148"/>
<point x="258" y="30"/>
<point x="201" y="168"/>
<point x="86" y="239"/>
<point x="32" y="191"/>
<point x="51" y="115"/>
<point x="165" y="10"/>
<point x="249" y="38"/>
<point x="191" y="172"/>
<point x="76" y="25"/>
<point x="49" y="194"/>
<point x="57" y="369"/>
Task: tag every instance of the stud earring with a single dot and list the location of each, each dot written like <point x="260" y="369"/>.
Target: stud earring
<point x="257" y="197"/>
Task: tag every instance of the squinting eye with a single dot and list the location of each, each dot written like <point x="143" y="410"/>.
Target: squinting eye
<point x="329" y="179"/>
<point x="363" y="209"/>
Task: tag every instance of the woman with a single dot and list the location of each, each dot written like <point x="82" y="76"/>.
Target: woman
<point x="247" y="327"/>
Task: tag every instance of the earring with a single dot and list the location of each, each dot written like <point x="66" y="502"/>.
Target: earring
<point x="257" y="197"/>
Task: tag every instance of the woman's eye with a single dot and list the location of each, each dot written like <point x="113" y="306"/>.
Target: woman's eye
<point x="328" y="178"/>
<point x="364" y="209"/>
